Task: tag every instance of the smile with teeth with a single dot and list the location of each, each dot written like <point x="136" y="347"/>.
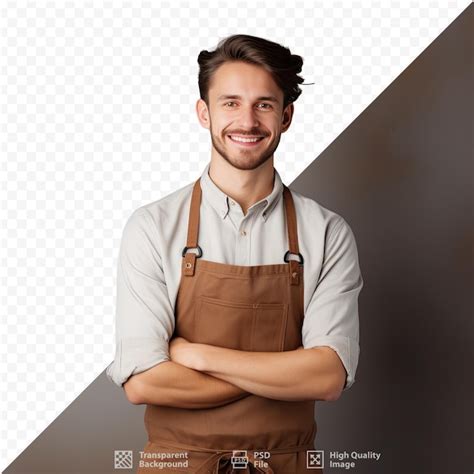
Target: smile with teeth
<point x="240" y="139"/>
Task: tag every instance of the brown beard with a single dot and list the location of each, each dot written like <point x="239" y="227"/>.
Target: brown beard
<point x="241" y="164"/>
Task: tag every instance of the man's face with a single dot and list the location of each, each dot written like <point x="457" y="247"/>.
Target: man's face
<point x="245" y="114"/>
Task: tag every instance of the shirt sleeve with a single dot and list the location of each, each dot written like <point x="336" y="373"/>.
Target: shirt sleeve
<point x="144" y="315"/>
<point x="332" y="318"/>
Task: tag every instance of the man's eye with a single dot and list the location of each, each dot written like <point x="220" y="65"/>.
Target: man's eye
<point x="265" y="106"/>
<point x="229" y="103"/>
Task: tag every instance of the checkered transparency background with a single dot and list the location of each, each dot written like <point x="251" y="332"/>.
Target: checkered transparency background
<point x="97" y="119"/>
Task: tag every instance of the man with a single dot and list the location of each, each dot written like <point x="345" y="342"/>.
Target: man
<point x="237" y="298"/>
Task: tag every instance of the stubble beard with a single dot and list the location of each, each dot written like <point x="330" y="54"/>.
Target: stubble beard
<point x="243" y="159"/>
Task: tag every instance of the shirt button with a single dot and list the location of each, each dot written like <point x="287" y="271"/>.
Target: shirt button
<point x="232" y="203"/>
<point x="243" y="233"/>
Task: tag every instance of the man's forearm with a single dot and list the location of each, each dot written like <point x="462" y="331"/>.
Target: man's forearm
<point x="302" y="374"/>
<point x="172" y="384"/>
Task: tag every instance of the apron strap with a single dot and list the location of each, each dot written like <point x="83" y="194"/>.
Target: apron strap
<point x="292" y="237"/>
<point x="189" y="258"/>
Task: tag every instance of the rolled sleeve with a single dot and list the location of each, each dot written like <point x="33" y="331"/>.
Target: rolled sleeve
<point x="332" y="316"/>
<point x="144" y="315"/>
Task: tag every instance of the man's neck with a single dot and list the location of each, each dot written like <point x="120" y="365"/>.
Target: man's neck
<point x="243" y="186"/>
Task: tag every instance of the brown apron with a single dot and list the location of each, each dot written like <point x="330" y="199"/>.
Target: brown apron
<point x="249" y="308"/>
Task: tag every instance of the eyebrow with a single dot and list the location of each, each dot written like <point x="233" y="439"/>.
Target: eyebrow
<point x="270" y="98"/>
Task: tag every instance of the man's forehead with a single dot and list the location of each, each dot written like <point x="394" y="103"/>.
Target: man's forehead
<point x="237" y="80"/>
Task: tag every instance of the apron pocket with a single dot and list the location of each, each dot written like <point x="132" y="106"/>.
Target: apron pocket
<point x="242" y="326"/>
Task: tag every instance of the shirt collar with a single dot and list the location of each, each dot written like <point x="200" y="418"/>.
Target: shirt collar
<point x="220" y="201"/>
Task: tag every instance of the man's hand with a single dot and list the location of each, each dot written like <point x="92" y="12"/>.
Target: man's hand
<point x="184" y="352"/>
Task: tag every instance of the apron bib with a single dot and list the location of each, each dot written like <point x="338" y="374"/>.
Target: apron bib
<point x="250" y="308"/>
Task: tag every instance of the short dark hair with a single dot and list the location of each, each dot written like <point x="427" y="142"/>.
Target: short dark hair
<point x="275" y="58"/>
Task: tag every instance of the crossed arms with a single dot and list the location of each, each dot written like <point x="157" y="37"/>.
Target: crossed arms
<point x="205" y="376"/>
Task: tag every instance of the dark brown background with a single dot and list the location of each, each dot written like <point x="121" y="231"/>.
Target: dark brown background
<point x="401" y="175"/>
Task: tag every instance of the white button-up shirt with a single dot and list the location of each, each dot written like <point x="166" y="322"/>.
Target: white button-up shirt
<point x="149" y="269"/>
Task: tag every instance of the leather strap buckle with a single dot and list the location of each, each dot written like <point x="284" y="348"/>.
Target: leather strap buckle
<point x="288" y="253"/>
<point x="199" y="254"/>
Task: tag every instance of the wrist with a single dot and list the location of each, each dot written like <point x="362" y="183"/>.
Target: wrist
<point x="201" y="357"/>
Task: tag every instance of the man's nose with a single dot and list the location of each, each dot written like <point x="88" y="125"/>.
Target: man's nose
<point x="248" y="117"/>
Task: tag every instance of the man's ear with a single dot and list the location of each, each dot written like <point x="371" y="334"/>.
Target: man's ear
<point x="287" y="117"/>
<point x="202" y="113"/>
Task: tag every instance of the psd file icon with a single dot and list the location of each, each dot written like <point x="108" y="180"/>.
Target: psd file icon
<point x="239" y="459"/>
<point x="314" y="459"/>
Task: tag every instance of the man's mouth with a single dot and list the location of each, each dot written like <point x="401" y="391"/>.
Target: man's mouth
<point x="245" y="140"/>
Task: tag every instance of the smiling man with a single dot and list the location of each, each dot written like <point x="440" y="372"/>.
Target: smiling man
<point x="246" y="138"/>
<point x="237" y="298"/>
